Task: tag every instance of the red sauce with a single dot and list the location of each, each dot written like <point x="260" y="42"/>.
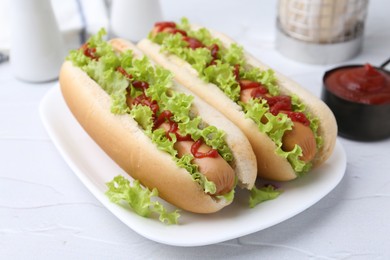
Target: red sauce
<point x="297" y="117"/>
<point x="174" y="31"/>
<point x="214" y="49"/>
<point x="173" y="129"/>
<point x="259" y="92"/>
<point x="140" y="84"/>
<point x="236" y="71"/>
<point x="124" y="73"/>
<point x="162" y="25"/>
<point x="247" y="84"/>
<point x="361" y="84"/>
<point x="193" y="43"/>
<point x="89" y="52"/>
<point x="164" y="116"/>
<point x="147" y="101"/>
<point x="195" y="151"/>
<point x="277" y="104"/>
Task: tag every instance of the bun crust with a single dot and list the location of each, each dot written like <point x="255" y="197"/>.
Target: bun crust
<point x="124" y="141"/>
<point x="270" y="165"/>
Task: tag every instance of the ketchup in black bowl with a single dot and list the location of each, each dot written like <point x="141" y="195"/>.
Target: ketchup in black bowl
<point x="359" y="97"/>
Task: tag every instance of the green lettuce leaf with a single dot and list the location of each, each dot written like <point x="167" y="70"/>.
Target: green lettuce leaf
<point x="184" y="24"/>
<point x="179" y="104"/>
<point x="143" y="116"/>
<point x="263" y="194"/>
<point x="265" y="77"/>
<point x="222" y="75"/>
<point x="186" y="162"/>
<point x="214" y="138"/>
<point x="233" y="55"/>
<point x="174" y="43"/>
<point x="120" y="190"/>
<point x="163" y="143"/>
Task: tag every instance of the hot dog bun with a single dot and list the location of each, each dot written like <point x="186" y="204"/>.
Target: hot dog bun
<point x="270" y="165"/>
<point x="124" y="141"/>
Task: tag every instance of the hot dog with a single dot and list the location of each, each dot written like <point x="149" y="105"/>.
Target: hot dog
<point x="290" y="130"/>
<point x="157" y="131"/>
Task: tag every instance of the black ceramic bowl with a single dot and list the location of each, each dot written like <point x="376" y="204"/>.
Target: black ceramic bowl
<point x="358" y="121"/>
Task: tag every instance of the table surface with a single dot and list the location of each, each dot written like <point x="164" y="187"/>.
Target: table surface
<point x="46" y="212"/>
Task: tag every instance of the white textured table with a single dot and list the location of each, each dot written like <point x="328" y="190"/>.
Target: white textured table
<point x="46" y="213"/>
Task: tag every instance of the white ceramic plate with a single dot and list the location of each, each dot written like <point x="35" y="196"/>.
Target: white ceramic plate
<point x="94" y="168"/>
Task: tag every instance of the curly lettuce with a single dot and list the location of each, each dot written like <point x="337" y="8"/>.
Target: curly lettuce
<point x="221" y="73"/>
<point x="140" y="199"/>
<point x="259" y="195"/>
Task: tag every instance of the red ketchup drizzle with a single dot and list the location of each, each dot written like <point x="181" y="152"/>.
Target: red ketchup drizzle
<point x="297" y="117"/>
<point x="165" y="116"/>
<point x="174" y="31"/>
<point x="247" y="84"/>
<point x="89" y="52"/>
<point x="277" y="104"/>
<point x="195" y="151"/>
<point x="140" y="84"/>
<point x="173" y="126"/>
<point x="214" y="49"/>
<point x="236" y="71"/>
<point x="259" y="92"/>
<point x="169" y="27"/>
<point x="193" y="43"/>
<point x="173" y="129"/>
<point x="124" y="73"/>
<point x="147" y="101"/>
<point x="162" y="25"/>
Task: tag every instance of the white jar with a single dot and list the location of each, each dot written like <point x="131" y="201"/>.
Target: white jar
<point x="37" y="48"/>
<point x="133" y="19"/>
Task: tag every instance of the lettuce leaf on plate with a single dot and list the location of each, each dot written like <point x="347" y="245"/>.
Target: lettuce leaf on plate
<point x="120" y="190"/>
<point x="260" y="195"/>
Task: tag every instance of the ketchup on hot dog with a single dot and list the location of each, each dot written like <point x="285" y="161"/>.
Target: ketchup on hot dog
<point x="252" y="89"/>
<point x="165" y="116"/>
<point x="278" y="104"/>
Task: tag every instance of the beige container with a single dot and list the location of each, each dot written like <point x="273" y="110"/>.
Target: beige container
<point x="320" y="31"/>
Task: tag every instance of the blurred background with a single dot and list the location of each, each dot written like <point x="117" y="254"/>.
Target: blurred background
<point x="250" y="22"/>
